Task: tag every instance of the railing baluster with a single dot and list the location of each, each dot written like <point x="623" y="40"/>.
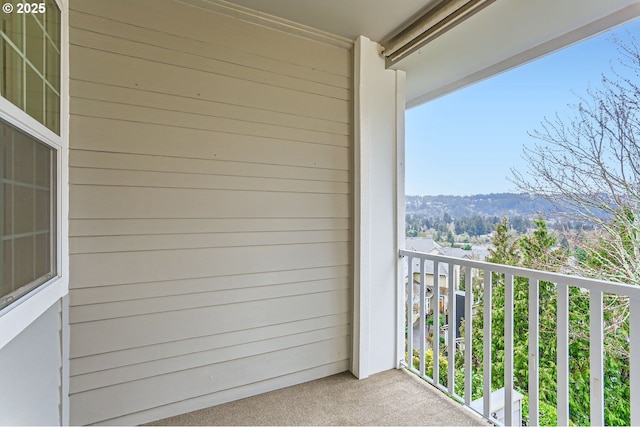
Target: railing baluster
<point x="468" y="325"/>
<point x="486" y="358"/>
<point x="436" y="323"/>
<point x="534" y="352"/>
<point x="410" y="315"/>
<point x="563" y="354"/>
<point x="451" y="329"/>
<point x="634" y="347"/>
<point x="422" y="320"/>
<point x="508" y="349"/>
<point x="596" y="368"/>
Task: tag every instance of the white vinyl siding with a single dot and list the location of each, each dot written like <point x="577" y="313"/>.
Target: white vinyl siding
<point x="210" y="209"/>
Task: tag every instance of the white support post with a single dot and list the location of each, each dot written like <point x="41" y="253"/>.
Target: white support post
<point x="486" y="358"/>
<point x="436" y="323"/>
<point x="362" y="208"/>
<point x="400" y="212"/>
<point x="468" y="330"/>
<point x="409" y="316"/>
<point x="508" y="349"/>
<point x="378" y="106"/>
<point x="423" y="316"/>
<point x="596" y="353"/>
<point x="534" y="352"/>
<point x="563" y="354"/>
<point x="451" y="331"/>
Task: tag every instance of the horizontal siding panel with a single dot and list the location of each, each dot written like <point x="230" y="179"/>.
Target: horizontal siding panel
<point x="150" y="266"/>
<point x="135" y="202"/>
<point x="198" y="25"/>
<point x="129" y="178"/>
<point x="183" y="324"/>
<point x="155" y="163"/>
<point x="165" y="366"/>
<point x="197" y="105"/>
<point x="96" y="405"/>
<point x="202" y="121"/>
<point x="205" y="49"/>
<point x="87" y="245"/>
<point x="112" y="310"/>
<point x="176" y="80"/>
<point x="122" y="227"/>
<point x="163" y="55"/>
<point x="167" y="350"/>
<point x="232" y="394"/>
<point x="136" y="291"/>
<point x="99" y="134"/>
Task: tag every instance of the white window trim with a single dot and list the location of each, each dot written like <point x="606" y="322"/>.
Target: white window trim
<point x="16" y="317"/>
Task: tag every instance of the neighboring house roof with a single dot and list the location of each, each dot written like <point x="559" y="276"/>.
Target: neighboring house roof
<point x="423" y="244"/>
<point x="428" y="245"/>
<point x="458" y="253"/>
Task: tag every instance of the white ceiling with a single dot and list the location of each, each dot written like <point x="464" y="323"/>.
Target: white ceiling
<point x="504" y="35"/>
<point x="347" y="18"/>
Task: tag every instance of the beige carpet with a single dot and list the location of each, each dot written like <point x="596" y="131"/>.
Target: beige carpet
<point x="393" y="397"/>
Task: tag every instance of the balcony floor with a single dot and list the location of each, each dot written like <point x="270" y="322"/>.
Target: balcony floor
<point x="394" y="397"/>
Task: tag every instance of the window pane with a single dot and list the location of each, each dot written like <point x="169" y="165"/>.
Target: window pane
<point x="11" y="80"/>
<point x="23" y="158"/>
<point x="6" y="150"/>
<point x="43" y="257"/>
<point x="24" y="208"/>
<point x="35" y="42"/>
<point x="11" y="26"/>
<point x="43" y="165"/>
<point x="53" y="66"/>
<point x="27" y="214"/>
<point x="42" y="211"/>
<point x="53" y="111"/>
<point x="35" y="95"/>
<point x="6" y="257"/>
<point x="52" y="22"/>
<point x="7" y="210"/>
<point x="24" y="260"/>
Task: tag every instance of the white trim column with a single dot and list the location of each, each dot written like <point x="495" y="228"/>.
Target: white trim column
<point x="378" y="178"/>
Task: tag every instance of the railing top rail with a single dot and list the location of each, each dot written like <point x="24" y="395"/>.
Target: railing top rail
<point x="622" y="289"/>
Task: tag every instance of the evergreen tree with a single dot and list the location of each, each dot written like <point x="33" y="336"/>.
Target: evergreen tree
<point x="538" y="250"/>
<point x="505" y="247"/>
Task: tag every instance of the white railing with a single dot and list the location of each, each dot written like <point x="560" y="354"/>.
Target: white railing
<point x="596" y="289"/>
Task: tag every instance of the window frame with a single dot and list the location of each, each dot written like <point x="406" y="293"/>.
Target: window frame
<point x="26" y="288"/>
<point x="17" y="316"/>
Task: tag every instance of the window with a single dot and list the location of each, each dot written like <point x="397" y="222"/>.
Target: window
<point x="30" y="55"/>
<point x="30" y="72"/>
<point x="27" y="213"/>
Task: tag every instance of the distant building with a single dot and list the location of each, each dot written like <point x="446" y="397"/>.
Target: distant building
<point x="428" y="245"/>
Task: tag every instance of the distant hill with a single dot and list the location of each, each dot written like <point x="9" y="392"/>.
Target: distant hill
<point x="499" y="204"/>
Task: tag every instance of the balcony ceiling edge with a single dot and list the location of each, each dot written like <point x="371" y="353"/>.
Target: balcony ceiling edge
<point x="502" y="36"/>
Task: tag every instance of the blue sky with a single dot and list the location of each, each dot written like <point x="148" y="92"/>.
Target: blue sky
<point x="467" y="142"/>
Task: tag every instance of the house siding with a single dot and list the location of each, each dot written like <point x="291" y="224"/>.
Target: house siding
<point x="31" y="366"/>
<point x="210" y="209"/>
